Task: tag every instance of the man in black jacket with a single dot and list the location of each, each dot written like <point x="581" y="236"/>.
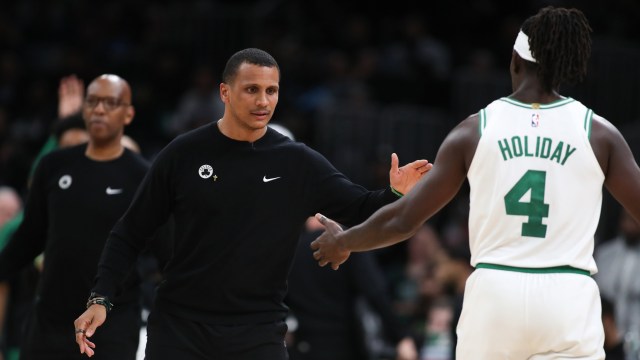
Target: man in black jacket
<point x="239" y="193"/>
<point x="76" y="196"/>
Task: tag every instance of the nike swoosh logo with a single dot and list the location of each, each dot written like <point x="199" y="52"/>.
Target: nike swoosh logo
<point x="111" y="191"/>
<point x="265" y="179"/>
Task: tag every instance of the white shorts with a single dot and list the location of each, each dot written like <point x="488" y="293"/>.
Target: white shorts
<point x="523" y="316"/>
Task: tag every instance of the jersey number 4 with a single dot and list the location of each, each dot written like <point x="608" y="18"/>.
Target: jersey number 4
<point x="535" y="209"/>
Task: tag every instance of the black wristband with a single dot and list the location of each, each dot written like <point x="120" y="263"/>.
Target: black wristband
<point x="95" y="298"/>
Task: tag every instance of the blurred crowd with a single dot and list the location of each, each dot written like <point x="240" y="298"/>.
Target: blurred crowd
<point x="358" y="82"/>
<point x="331" y="53"/>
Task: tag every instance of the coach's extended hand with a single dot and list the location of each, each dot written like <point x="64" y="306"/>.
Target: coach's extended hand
<point x="404" y="178"/>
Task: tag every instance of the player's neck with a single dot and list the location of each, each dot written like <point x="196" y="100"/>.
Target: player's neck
<point x="528" y="94"/>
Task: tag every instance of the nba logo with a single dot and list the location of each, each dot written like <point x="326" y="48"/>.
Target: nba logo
<point x="535" y="120"/>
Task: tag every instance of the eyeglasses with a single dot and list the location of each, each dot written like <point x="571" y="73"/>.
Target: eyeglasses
<point x="108" y="103"/>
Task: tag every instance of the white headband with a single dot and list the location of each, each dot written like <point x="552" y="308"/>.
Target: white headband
<point x="522" y="47"/>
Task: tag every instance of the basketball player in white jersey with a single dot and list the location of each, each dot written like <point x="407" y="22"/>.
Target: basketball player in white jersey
<point x="536" y="162"/>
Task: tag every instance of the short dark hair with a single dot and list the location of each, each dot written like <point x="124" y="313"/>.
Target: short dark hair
<point x="251" y="56"/>
<point x="560" y="41"/>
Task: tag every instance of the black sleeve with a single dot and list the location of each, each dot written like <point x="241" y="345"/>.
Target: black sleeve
<point x="335" y="196"/>
<point x="30" y="238"/>
<point x="137" y="229"/>
<point x="370" y="282"/>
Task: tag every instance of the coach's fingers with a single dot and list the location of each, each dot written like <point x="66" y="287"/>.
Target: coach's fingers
<point x="425" y="168"/>
<point x="88" y="348"/>
<point x="321" y="218"/>
<point x="395" y="163"/>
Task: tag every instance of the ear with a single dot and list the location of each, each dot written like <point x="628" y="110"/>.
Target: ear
<point x="224" y="92"/>
<point x="128" y="118"/>
<point x="516" y="62"/>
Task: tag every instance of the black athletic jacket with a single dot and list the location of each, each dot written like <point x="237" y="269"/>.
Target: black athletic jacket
<point x="72" y="205"/>
<point x="239" y="208"/>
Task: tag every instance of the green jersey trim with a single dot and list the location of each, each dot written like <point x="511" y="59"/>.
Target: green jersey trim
<point x="482" y="122"/>
<point x="548" y="270"/>
<point x="550" y="105"/>
<point x="588" y="119"/>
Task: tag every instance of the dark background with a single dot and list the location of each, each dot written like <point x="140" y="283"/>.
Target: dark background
<point x="359" y="80"/>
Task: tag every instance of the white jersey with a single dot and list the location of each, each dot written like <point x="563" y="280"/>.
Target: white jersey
<point x="536" y="186"/>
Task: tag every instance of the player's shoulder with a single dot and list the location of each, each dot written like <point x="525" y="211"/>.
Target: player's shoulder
<point x="471" y="126"/>
<point x="472" y="119"/>
<point x="603" y="131"/>
<point x="598" y="120"/>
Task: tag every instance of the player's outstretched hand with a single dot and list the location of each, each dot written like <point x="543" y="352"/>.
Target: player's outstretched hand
<point x="327" y="249"/>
